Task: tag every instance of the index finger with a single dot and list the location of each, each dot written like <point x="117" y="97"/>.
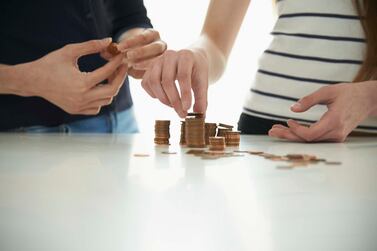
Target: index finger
<point x="146" y="37"/>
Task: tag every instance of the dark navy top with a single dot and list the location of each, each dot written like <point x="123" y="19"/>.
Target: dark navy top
<point x="31" y="29"/>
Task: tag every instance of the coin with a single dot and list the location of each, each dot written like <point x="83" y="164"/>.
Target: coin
<point x="113" y="49"/>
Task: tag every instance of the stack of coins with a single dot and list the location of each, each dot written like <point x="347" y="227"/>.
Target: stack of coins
<point x="216" y="143"/>
<point x="194" y="130"/>
<point x="182" y="140"/>
<point x="222" y="129"/>
<point x="210" y="131"/>
<point x="232" y="138"/>
<point x="162" y="133"/>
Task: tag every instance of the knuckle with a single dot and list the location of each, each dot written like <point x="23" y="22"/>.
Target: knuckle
<point x="182" y="76"/>
<point x="156" y="34"/>
<point x="170" y="53"/>
<point x="94" y="43"/>
<point x="307" y="100"/>
<point x="186" y="53"/>
<point x="144" y="37"/>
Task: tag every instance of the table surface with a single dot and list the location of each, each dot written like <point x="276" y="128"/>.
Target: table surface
<point x="89" y="192"/>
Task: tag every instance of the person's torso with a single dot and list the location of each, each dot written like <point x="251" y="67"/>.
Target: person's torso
<point x="30" y="30"/>
<point x="314" y="43"/>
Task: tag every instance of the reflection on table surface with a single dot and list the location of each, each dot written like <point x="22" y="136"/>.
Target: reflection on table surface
<point x="89" y="192"/>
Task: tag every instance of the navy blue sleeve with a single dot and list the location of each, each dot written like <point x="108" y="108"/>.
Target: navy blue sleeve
<point x="128" y="14"/>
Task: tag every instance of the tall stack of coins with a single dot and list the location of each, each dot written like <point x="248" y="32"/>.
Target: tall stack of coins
<point x="210" y="131"/>
<point x="232" y="138"/>
<point x="194" y="130"/>
<point x="216" y="143"/>
<point x="182" y="140"/>
<point x="162" y="133"/>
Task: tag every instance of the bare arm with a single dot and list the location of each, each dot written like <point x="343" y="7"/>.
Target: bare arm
<point x="220" y="29"/>
<point x="203" y="62"/>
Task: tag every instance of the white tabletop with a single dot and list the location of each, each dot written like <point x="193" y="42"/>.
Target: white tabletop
<point x="89" y="192"/>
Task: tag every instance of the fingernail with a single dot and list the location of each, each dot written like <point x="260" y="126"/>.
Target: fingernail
<point x="296" y="106"/>
<point x="107" y="40"/>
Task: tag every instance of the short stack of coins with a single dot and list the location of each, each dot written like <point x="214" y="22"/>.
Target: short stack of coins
<point x="195" y="130"/>
<point x="222" y="128"/>
<point x="182" y="140"/>
<point x="210" y="131"/>
<point x="232" y="138"/>
<point x="162" y="133"/>
<point x="216" y="143"/>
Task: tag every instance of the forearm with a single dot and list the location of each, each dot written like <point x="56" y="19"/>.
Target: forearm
<point x="215" y="57"/>
<point x="220" y="29"/>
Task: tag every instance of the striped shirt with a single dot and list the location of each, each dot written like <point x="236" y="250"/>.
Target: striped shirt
<point x="315" y="43"/>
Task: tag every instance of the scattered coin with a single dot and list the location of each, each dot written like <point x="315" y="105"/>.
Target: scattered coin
<point x="141" y="155"/>
<point x="333" y="162"/>
<point x="240" y="151"/>
<point x="195" y="151"/>
<point x="196" y="133"/>
<point x="225" y="126"/>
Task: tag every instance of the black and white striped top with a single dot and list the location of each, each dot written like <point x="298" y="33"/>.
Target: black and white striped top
<point x="315" y="43"/>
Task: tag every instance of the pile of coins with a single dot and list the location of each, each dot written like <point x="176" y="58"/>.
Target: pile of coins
<point x="195" y="130"/>
<point x="222" y="129"/>
<point x="232" y="138"/>
<point x="196" y="133"/>
<point x="216" y="143"/>
<point x="182" y="140"/>
<point x="162" y="134"/>
<point x="210" y="131"/>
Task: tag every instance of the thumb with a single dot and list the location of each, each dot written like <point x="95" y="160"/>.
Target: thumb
<point x="90" y="47"/>
<point x="321" y="96"/>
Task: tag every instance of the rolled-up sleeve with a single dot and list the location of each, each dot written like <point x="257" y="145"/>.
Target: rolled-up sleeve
<point x="128" y="14"/>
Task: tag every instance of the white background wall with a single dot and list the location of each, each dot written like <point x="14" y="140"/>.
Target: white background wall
<point x="179" y="23"/>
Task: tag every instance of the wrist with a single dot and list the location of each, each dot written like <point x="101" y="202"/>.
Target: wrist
<point x="14" y="80"/>
<point x="216" y="59"/>
<point x="8" y="75"/>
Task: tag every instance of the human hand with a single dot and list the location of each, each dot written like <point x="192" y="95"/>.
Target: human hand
<point x="57" y="78"/>
<point x="190" y="69"/>
<point x="348" y="105"/>
<point x="140" y="48"/>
